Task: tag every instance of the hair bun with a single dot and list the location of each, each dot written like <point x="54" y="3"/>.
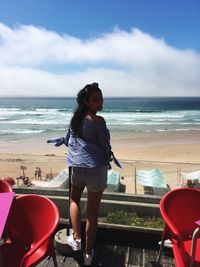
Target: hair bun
<point x="96" y="85"/>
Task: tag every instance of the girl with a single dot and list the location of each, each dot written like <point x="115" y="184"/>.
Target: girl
<point x="89" y="154"/>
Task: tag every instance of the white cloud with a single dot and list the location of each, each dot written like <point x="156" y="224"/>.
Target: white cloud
<point x="124" y="63"/>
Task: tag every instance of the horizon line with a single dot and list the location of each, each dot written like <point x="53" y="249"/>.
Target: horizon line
<point x="14" y="96"/>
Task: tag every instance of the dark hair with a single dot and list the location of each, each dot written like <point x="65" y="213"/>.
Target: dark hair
<point x="82" y="96"/>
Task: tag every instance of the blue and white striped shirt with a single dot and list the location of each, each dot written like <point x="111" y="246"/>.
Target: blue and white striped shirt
<point x="92" y="148"/>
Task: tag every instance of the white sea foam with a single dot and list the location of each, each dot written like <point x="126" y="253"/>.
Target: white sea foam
<point x="20" y="131"/>
<point x="50" y="116"/>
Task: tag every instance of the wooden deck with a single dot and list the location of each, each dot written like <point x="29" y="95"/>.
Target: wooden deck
<point x="107" y="255"/>
<point x="114" y="249"/>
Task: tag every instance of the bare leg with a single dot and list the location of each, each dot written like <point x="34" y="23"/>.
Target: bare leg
<point x="93" y="203"/>
<point x="75" y="212"/>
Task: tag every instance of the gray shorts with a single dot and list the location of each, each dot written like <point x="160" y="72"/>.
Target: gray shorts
<point x="95" y="179"/>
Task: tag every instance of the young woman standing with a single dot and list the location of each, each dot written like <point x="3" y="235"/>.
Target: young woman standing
<point x="89" y="155"/>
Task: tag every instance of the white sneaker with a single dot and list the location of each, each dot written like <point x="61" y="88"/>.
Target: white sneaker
<point x="167" y="243"/>
<point x="74" y="244"/>
<point x="88" y="258"/>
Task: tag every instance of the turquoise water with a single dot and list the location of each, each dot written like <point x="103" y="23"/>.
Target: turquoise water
<point x="29" y="118"/>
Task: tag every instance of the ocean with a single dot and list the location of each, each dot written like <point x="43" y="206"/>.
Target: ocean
<point x="30" y="118"/>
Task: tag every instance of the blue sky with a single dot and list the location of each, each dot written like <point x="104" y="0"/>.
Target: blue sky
<point x="131" y="47"/>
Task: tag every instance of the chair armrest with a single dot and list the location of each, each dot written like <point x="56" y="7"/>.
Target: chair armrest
<point x="194" y="240"/>
<point x="176" y="234"/>
<point x="33" y="249"/>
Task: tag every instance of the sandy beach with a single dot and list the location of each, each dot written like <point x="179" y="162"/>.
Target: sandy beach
<point x="172" y="152"/>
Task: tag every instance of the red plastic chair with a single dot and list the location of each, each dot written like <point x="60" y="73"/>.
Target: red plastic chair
<point x="180" y="209"/>
<point x="5" y="186"/>
<point x="30" y="226"/>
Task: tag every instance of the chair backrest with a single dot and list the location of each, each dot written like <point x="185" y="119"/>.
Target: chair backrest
<point x="181" y="208"/>
<point x="32" y="218"/>
<point x="42" y="214"/>
<point x="4" y="186"/>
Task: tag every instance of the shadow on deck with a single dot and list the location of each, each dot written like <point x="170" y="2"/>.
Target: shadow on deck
<point x="119" y="248"/>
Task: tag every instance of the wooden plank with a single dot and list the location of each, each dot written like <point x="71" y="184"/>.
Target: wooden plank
<point x="119" y="259"/>
<point x="73" y="259"/>
<point x="104" y="254"/>
<point x="135" y="256"/>
<point x="149" y="256"/>
<point x="167" y="258"/>
<point x="115" y="255"/>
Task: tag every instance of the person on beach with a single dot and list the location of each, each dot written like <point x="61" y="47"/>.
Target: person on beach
<point x="89" y="155"/>
<point x="36" y="173"/>
<point x="39" y="174"/>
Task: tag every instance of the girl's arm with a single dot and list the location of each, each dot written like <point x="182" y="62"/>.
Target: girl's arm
<point x="103" y="136"/>
<point x="67" y="137"/>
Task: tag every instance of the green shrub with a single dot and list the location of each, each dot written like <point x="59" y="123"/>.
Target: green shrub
<point x="132" y="219"/>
